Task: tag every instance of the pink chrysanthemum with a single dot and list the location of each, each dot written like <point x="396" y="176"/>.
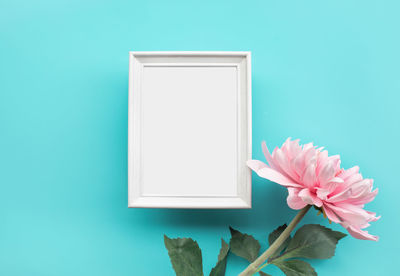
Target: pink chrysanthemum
<point x="314" y="178"/>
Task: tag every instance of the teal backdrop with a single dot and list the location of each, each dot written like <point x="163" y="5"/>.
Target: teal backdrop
<point x="323" y="71"/>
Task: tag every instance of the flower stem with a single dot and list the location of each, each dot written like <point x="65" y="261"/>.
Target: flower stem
<point x="253" y="267"/>
<point x="261" y="267"/>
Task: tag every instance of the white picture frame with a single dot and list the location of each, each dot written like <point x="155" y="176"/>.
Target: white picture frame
<point x="189" y="130"/>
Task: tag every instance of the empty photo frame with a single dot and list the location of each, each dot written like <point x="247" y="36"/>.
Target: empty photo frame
<point x="189" y="133"/>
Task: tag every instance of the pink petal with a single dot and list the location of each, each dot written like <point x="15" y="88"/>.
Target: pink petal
<point x="342" y="196"/>
<point x="347" y="173"/>
<point x="268" y="156"/>
<point x="286" y="148"/>
<point x="336" y="180"/>
<point x="291" y="148"/>
<point x="294" y="201"/>
<point x="298" y="164"/>
<point x="310" y="198"/>
<point x="365" y="199"/>
<point x="309" y="177"/>
<point x="256" y="165"/>
<point x="361" y="188"/>
<point x="326" y="173"/>
<point x="283" y="161"/>
<point x="374" y="217"/>
<point x="360" y="234"/>
<point x="310" y="153"/>
<point x="353" y="179"/>
<point x="322" y="160"/>
<point x="329" y="187"/>
<point x="323" y="193"/>
<point x="352" y="214"/>
<point x="330" y="214"/>
<point x="265" y="172"/>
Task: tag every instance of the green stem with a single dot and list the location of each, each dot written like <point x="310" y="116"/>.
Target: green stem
<point x="261" y="267"/>
<point x="253" y="267"/>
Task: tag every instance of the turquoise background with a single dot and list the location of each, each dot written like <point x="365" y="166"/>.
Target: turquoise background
<point x="323" y="71"/>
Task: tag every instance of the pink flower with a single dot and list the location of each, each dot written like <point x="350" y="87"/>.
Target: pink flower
<point x="314" y="178"/>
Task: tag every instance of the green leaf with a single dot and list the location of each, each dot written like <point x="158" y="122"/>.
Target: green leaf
<point x="296" y="268"/>
<point x="185" y="256"/>
<point x="243" y="245"/>
<point x="262" y="273"/>
<point x="312" y="241"/>
<point x="219" y="269"/>
<point x="274" y="235"/>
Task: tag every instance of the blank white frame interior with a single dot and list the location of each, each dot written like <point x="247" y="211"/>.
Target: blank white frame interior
<point x="189" y="133"/>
